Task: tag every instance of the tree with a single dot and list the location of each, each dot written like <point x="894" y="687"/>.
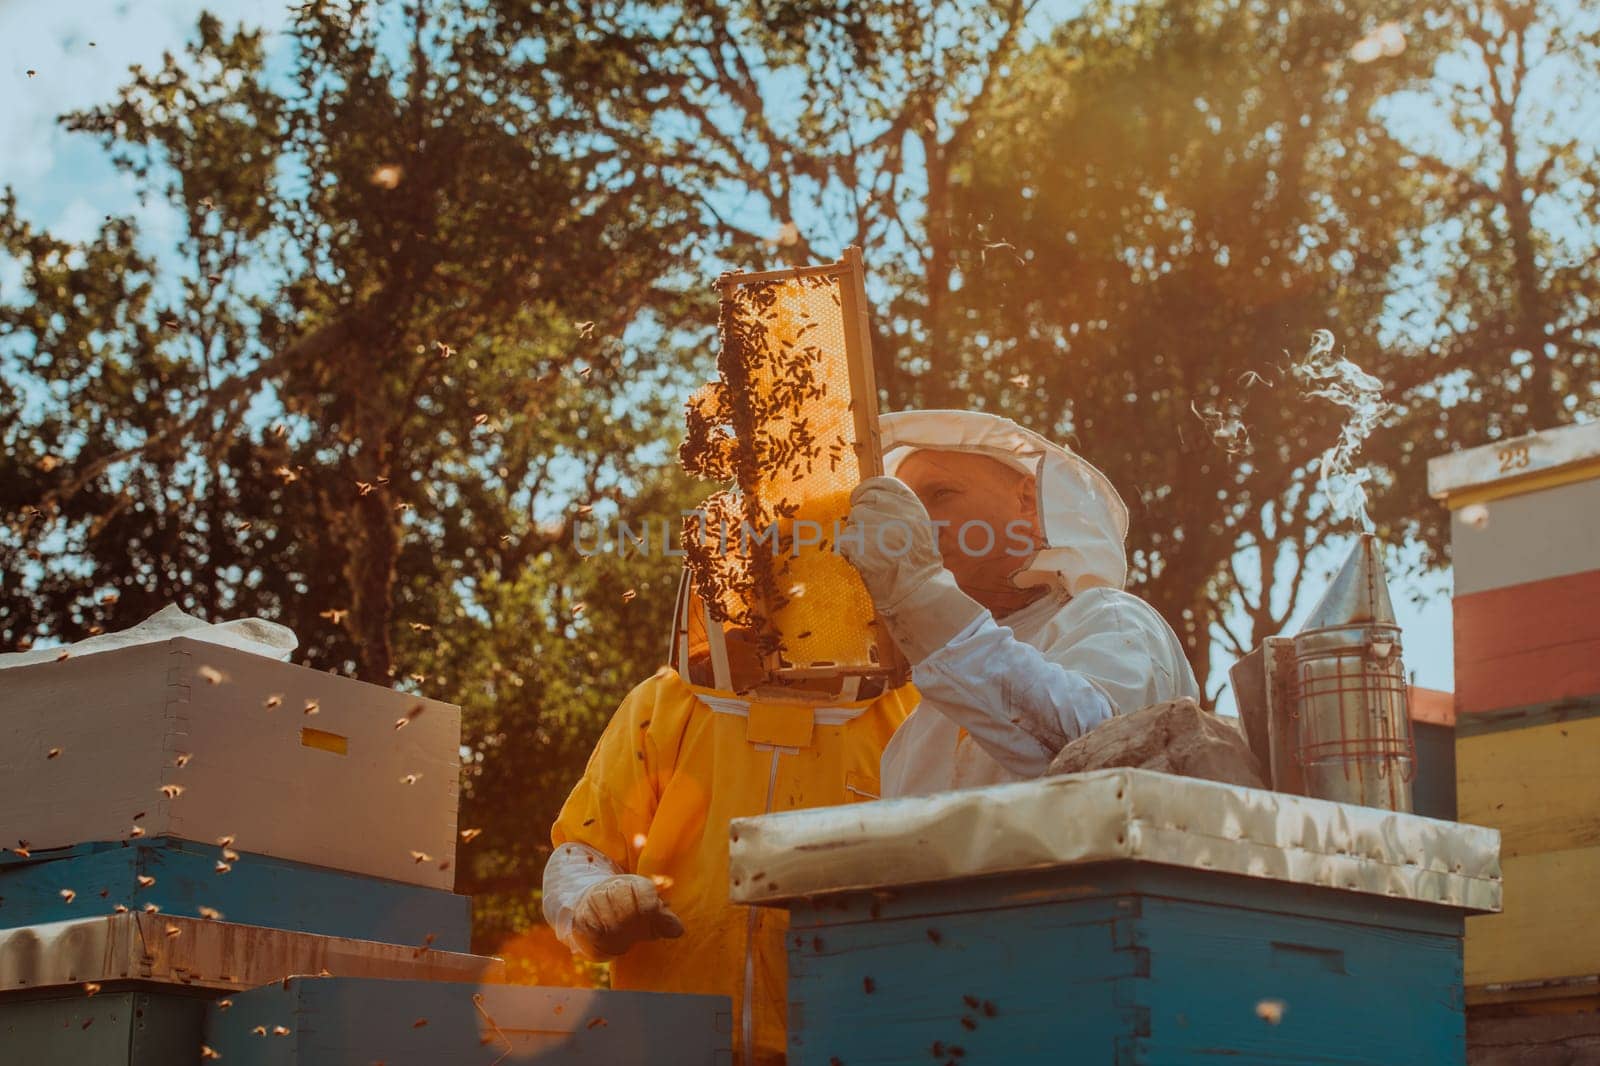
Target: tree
<point x="418" y="312"/>
<point x="1176" y="197"/>
<point x="802" y="128"/>
<point x="1507" y="310"/>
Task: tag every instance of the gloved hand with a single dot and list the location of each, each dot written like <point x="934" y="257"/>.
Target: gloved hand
<point x="890" y="540"/>
<point x="621" y="911"/>
<point x="915" y="596"/>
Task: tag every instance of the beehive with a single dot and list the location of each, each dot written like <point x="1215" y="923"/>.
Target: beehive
<point x="137" y="989"/>
<point x="1119" y="916"/>
<point x="1527" y="653"/>
<point x="336" y="1020"/>
<point x="1527" y="570"/>
<point x="791" y="426"/>
<point x="198" y="741"/>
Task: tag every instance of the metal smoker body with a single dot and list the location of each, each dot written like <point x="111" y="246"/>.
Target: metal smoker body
<point x="1327" y="710"/>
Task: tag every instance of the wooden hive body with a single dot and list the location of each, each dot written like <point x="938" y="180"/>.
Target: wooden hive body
<point x="327" y="789"/>
<point x="260" y="890"/>
<point x="1123" y="963"/>
<point x="338" y="1021"/>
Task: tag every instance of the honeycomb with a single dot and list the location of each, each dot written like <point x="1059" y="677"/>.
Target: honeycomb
<point x="782" y="428"/>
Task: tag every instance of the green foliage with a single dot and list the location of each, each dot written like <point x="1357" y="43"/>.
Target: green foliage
<point x="1169" y="199"/>
<point x="802" y="128"/>
<point x="1506" y="324"/>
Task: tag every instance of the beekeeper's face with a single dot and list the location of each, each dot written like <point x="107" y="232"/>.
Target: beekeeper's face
<point x="985" y="509"/>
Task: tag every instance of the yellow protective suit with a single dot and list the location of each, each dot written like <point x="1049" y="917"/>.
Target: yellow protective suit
<point x="675" y="765"/>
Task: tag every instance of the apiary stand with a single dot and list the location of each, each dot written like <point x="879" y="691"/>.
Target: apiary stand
<point x="1119" y="916"/>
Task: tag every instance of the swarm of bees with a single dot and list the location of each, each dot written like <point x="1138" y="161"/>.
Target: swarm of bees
<point x="752" y="430"/>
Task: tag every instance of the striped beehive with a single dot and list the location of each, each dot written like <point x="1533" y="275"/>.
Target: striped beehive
<point x="1527" y="658"/>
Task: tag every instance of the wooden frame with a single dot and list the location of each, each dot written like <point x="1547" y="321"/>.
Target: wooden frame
<point x="850" y="271"/>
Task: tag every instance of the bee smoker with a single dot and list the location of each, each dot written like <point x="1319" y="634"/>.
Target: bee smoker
<point x="1326" y="710"/>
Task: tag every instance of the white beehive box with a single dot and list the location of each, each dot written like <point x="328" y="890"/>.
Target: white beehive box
<point x="328" y="788"/>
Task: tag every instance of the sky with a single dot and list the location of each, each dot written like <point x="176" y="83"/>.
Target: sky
<point x="79" y="52"/>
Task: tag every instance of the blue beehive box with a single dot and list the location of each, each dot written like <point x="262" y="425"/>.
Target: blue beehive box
<point x="135" y="988"/>
<point x="145" y="1027"/>
<point x="255" y="890"/>
<point x="1120" y="916"/>
<point x="339" y="1021"/>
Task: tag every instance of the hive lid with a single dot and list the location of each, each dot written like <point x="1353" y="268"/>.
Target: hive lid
<point x="211" y="954"/>
<point x="1109" y="816"/>
<point x="1516" y="465"/>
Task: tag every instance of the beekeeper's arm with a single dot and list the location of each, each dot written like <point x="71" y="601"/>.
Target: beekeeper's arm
<point x="592" y="900"/>
<point x="1015" y="701"/>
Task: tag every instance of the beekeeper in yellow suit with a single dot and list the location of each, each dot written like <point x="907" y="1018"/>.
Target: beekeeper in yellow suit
<point x="639" y="873"/>
<point x="995" y="559"/>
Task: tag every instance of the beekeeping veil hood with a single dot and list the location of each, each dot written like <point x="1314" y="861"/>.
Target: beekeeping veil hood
<point x="1083" y="519"/>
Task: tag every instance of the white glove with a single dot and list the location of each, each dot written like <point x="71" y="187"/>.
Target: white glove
<point x="892" y="543"/>
<point x="620" y="911"/>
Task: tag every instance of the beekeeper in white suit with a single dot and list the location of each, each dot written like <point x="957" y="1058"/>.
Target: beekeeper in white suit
<point x="995" y="559"/>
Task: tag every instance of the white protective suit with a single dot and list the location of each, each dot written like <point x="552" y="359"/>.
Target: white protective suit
<point x="1000" y="699"/>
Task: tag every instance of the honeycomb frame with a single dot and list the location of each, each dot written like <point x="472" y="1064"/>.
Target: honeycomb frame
<point x="790" y="427"/>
